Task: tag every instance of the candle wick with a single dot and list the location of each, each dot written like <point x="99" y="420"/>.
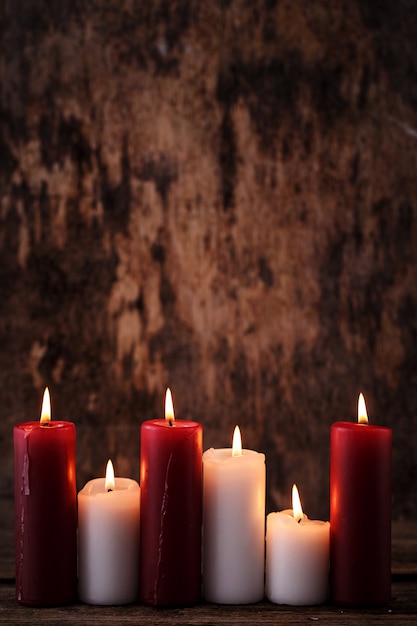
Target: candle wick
<point x="299" y="520"/>
<point x="109" y="489"/>
<point x="171" y="423"/>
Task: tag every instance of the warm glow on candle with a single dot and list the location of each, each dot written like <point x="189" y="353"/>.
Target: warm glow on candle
<point x="109" y="484"/>
<point x="362" y="414"/>
<point x="237" y="442"/>
<point x="169" y="407"/>
<point x="296" y="504"/>
<point x="46" y="407"/>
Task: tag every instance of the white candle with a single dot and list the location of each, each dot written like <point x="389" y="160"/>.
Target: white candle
<point x="233" y="525"/>
<point x="108" y="540"/>
<point x="297" y="557"/>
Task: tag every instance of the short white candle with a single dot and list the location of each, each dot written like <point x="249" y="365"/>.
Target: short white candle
<point x="108" y="541"/>
<point x="297" y="558"/>
<point x="233" y="525"/>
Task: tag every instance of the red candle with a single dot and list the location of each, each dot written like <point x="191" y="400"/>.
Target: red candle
<point x="360" y="512"/>
<point x="171" y="510"/>
<point x="45" y="511"/>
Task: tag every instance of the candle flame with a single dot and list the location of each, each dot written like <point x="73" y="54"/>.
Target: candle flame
<point x="109" y="483"/>
<point x="46" y="407"/>
<point x="237" y="442"/>
<point x="169" y="407"/>
<point x="296" y="504"/>
<point x="362" y="413"/>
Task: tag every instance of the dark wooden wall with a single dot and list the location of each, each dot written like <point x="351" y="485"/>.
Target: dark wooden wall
<point x="219" y="197"/>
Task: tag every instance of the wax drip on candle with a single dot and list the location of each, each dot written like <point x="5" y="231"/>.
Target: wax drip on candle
<point x="169" y="408"/>
<point x="109" y="483"/>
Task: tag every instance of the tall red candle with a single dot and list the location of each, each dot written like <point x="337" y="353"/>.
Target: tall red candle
<point x="171" y="511"/>
<point x="45" y="511"/>
<point x="360" y="512"/>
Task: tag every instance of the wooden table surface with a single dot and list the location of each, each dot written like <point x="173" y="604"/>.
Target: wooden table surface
<point x="402" y="609"/>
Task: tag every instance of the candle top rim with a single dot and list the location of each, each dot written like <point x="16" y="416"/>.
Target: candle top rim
<point x="164" y="423"/>
<point x="362" y="426"/>
<point x="287" y="516"/>
<point x="51" y="425"/>
<point x="219" y="455"/>
<point x="96" y="487"/>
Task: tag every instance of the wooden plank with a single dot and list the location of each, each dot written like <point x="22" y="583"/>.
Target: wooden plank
<point x="402" y="610"/>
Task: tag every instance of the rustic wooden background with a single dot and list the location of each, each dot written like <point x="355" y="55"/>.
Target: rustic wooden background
<point x="217" y="196"/>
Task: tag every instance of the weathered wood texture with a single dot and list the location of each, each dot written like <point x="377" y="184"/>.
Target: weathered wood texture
<point x="219" y="197"/>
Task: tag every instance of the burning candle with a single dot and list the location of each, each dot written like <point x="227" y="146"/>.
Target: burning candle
<point x="233" y="524"/>
<point x="171" y="509"/>
<point x="108" y="540"/>
<point x="297" y="557"/>
<point x="360" y="512"/>
<point x="45" y="510"/>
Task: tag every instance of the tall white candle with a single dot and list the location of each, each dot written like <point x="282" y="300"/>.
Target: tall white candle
<point x="233" y="525"/>
<point x="108" y="541"/>
<point x="297" y="558"/>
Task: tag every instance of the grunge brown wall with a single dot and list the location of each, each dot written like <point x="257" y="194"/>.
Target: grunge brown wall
<point x="219" y="197"/>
